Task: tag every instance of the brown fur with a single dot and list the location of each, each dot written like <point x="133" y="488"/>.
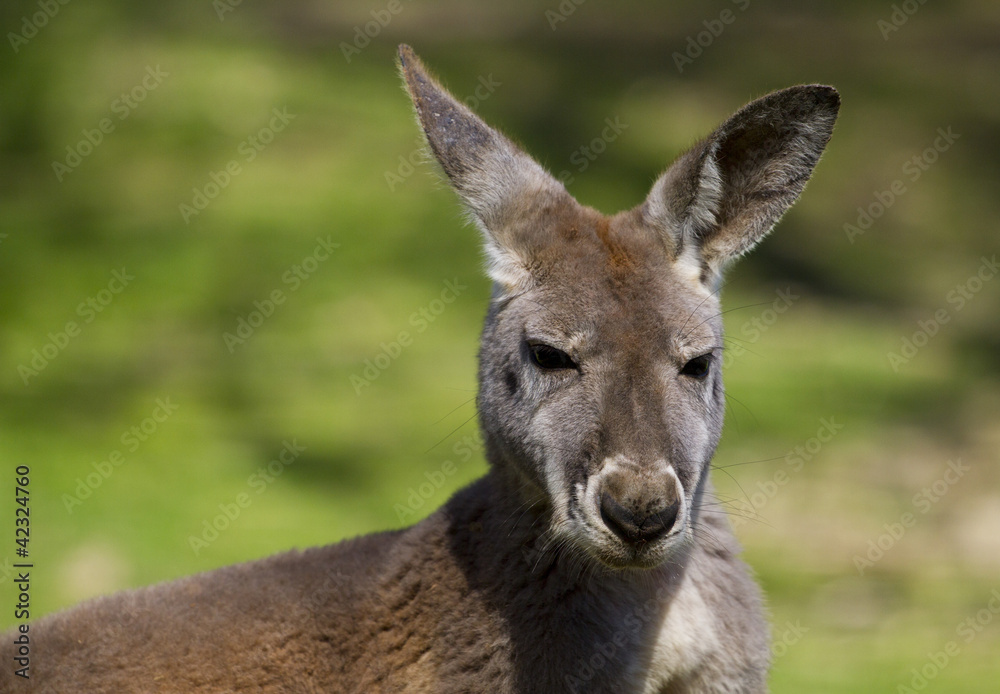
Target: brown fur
<point x="593" y="557"/>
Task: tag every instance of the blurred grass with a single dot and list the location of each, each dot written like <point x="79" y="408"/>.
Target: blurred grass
<point x="324" y="176"/>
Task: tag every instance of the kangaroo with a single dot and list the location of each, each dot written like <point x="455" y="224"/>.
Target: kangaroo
<point x="593" y="556"/>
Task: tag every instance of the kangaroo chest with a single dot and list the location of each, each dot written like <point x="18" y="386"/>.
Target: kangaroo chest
<point x="687" y="634"/>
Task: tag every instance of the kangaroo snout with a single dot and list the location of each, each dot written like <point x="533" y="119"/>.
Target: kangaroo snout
<point x="640" y="507"/>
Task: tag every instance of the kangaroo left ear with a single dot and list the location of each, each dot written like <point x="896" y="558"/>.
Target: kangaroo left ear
<point x="724" y="195"/>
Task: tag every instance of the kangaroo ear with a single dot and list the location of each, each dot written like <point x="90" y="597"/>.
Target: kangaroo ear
<point x="502" y="186"/>
<point x="724" y="195"/>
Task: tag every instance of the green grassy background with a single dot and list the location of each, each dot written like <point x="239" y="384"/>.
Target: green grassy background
<point x="325" y="175"/>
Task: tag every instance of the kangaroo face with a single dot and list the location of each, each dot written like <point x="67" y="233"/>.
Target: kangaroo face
<point x="600" y="383"/>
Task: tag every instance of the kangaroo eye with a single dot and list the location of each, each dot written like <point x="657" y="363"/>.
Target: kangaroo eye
<point x="698" y="367"/>
<point x="550" y="358"/>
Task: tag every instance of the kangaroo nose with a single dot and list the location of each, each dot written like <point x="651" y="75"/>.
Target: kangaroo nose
<point x="635" y="527"/>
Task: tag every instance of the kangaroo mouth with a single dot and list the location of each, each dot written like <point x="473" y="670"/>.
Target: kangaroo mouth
<point x="620" y="554"/>
<point x="613" y="543"/>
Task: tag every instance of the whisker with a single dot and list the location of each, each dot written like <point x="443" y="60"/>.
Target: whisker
<point x="701" y="303"/>
<point x="472" y="399"/>
<point x="749" y="411"/>
<point x="722" y="313"/>
<point x="748" y="462"/>
<point x="450" y="433"/>
<point x="737" y="482"/>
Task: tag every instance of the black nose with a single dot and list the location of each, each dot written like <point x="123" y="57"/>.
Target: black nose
<point x="635" y="528"/>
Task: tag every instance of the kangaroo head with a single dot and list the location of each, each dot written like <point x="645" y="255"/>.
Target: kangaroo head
<point x="600" y="381"/>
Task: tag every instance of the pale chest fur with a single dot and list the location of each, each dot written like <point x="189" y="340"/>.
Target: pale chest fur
<point x="687" y="635"/>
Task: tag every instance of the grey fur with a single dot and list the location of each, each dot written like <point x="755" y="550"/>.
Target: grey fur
<point x="593" y="557"/>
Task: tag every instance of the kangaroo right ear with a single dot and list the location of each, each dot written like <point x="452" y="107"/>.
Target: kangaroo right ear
<point x="722" y="197"/>
<point x="502" y="186"/>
